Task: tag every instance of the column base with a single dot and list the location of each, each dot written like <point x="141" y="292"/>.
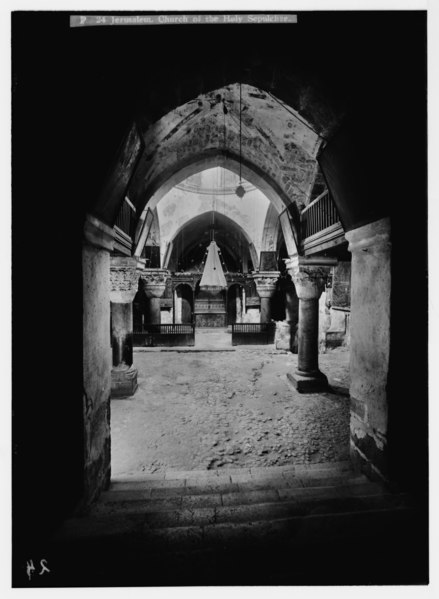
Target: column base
<point x="313" y="382"/>
<point x="123" y="382"/>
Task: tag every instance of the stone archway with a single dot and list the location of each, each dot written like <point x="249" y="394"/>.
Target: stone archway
<point x="221" y="220"/>
<point x="179" y="172"/>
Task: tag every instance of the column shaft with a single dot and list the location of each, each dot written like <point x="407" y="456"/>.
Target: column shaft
<point x="153" y="310"/>
<point x="309" y="282"/>
<point x="265" y="309"/>
<point x="308" y="362"/>
<point x="124" y="285"/>
<point x="122" y="334"/>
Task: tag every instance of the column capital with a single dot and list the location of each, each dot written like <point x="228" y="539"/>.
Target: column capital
<point x="154" y="281"/>
<point x="124" y="279"/>
<point x="266" y="282"/>
<point x="373" y="236"/>
<point x="309" y="279"/>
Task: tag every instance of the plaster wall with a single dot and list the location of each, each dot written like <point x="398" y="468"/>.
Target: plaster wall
<point x="252" y="315"/>
<point x="166" y="316"/>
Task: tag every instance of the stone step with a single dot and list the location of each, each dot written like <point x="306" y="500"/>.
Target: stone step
<point x="231" y="492"/>
<point x="116" y="512"/>
<point x="259" y="477"/>
<point x="156" y="515"/>
<point x="152" y="536"/>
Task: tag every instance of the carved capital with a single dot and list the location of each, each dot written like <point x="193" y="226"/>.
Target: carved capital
<point x="124" y="279"/>
<point x="154" y="281"/>
<point x="266" y="282"/>
<point x="309" y="281"/>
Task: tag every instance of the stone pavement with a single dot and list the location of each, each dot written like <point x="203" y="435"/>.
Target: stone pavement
<point x="208" y="411"/>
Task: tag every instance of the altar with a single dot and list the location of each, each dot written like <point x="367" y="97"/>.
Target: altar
<point x="210" y="312"/>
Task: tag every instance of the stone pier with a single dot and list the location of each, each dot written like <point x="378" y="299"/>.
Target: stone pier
<point x="370" y="344"/>
<point x="97" y="245"/>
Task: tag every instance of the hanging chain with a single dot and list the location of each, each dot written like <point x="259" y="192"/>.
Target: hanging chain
<point x="240" y="130"/>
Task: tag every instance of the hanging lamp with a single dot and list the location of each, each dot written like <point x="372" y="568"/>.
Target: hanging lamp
<point x="240" y="191"/>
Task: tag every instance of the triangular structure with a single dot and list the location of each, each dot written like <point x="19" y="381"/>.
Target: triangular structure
<point x="213" y="278"/>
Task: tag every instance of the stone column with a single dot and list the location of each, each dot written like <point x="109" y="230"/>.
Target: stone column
<point x="124" y="278"/>
<point x="309" y="281"/>
<point x="266" y="286"/>
<point x="370" y="344"/>
<point x="291" y="305"/>
<point x="154" y="285"/>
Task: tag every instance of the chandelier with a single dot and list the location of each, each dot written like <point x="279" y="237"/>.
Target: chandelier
<point x="213" y="278"/>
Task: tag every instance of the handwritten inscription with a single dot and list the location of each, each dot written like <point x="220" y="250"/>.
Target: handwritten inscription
<point x="30" y="568"/>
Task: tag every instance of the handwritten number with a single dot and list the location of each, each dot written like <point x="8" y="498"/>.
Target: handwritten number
<point x="30" y="568"/>
<point x="44" y="568"/>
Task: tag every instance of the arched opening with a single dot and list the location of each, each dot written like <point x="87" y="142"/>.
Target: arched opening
<point x="179" y="171"/>
<point x="188" y="246"/>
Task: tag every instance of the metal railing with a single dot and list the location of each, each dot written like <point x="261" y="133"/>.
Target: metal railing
<point x="125" y="220"/>
<point x="167" y="329"/>
<point x="253" y="333"/>
<point x="318" y="215"/>
<point x="253" y="327"/>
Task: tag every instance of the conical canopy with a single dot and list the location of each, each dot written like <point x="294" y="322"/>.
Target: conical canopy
<point x="213" y="278"/>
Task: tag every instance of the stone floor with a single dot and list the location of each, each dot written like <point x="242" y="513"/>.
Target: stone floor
<point x="202" y="410"/>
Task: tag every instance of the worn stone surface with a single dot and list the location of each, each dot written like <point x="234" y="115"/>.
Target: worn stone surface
<point x="204" y="411"/>
<point x="96" y="369"/>
<point x="370" y="338"/>
<point x="123" y="382"/>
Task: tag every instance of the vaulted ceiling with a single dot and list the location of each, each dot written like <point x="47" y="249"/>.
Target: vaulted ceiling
<point x="237" y="120"/>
